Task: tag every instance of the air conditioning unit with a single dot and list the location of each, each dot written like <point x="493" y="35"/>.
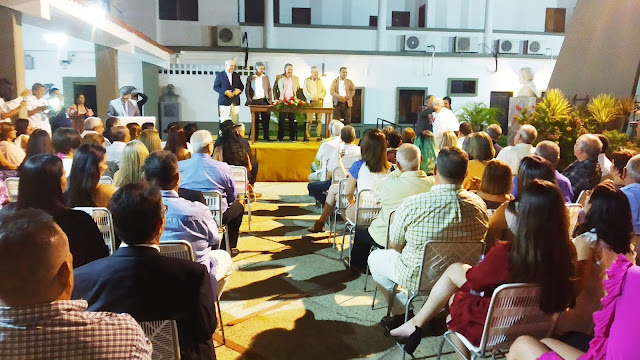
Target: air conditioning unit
<point x="506" y="46"/>
<point x="534" y="47"/>
<point x="415" y="43"/>
<point x="465" y="44"/>
<point x="226" y="36"/>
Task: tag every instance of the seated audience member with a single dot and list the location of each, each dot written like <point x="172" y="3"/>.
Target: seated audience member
<point x="428" y="149"/>
<point x="394" y="140"/>
<point x="39" y="143"/>
<point x="495" y="187"/>
<point x="151" y="139"/>
<point x="495" y="132"/>
<point x="407" y="180"/>
<point x="187" y="220"/>
<point x="65" y="141"/>
<point x="148" y="125"/>
<point x="325" y="150"/>
<point x="480" y="150"/>
<point x="364" y="174"/>
<point x="39" y="321"/>
<point x="603" y="160"/>
<point x="631" y="176"/>
<point x="12" y="152"/>
<point x="133" y="157"/>
<point x="447" y="139"/>
<point x="584" y="173"/>
<point x="446" y="212"/>
<point x="7" y="170"/>
<point x="140" y="281"/>
<point x="94" y="125"/>
<point x="84" y="187"/>
<point x="42" y="184"/>
<point x="522" y="147"/>
<point x="23" y="130"/>
<point x="189" y="129"/>
<point x="119" y="139"/>
<point x="93" y="139"/>
<point x="253" y="174"/>
<point x="445" y="120"/>
<point x="541" y="254"/>
<point x="230" y="149"/>
<point x="504" y="221"/>
<point x="134" y="130"/>
<point x="109" y="124"/>
<point x="343" y="157"/>
<point x="408" y="136"/>
<point x="202" y="173"/>
<point x="177" y="143"/>
<point x="550" y="151"/>
<point x="618" y="162"/>
<point x="465" y="130"/>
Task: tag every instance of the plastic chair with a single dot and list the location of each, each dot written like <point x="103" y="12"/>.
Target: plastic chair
<point x="163" y="335"/>
<point x="514" y="311"/>
<point x="12" y="184"/>
<point x="339" y="208"/>
<point x="367" y="209"/>
<point x="574" y="213"/>
<point x="584" y="197"/>
<point x="323" y="176"/>
<point x="105" y="180"/>
<point x="214" y="202"/>
<point x="375" y="288"/>
<point x="104" y="221"/>
<point x="241" y="181"/>
<point x="337" y="175"/>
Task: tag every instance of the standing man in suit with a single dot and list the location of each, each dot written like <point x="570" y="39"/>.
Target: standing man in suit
<point x="315" y="92"/>
<point x="342" y="91"/>
<point x="288" y="87"/>
<point x="140" y="281"/>
<point x="259" y="93"/>
<point x="229" y="87"/>
<point x="123" y="106"/>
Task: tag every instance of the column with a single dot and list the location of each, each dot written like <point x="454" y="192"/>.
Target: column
<point x="488" y="27"/>
<point x="106" y="78"/>
<point x="151" y="87"/>
<point x="382" y="26"/>
<point x="269" y="27"/>
<point x="12" y="54"/>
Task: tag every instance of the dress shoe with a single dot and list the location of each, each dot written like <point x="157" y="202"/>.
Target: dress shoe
<point x="234" y="252"/>
<point x="393" y="321"/>
<point x="318" y="139"/>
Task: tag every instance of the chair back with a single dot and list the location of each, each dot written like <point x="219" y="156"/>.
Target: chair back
<point x="337" y="175"/>
<point x="574" y="212"/>
<point x="105" y="180"/>
<point x="214" y="202"/>
<point x="240" y="179"/>
<point x="584" y="196"/>
<point x="367" y="208"/>
<point x="104" y="221"/>
<point x="343" y="202"/>
<point x="391" y="216"/>
<point x="163" y="335"/>
<point x="438" y="255"/>
<point x="177" y="249"/>
<point x="514" y="311"/>
<point x="12" y="187"/>
<point x="323" y="176"/>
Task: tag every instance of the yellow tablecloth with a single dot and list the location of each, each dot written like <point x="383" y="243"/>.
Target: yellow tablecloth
<point x="284" y="161"/>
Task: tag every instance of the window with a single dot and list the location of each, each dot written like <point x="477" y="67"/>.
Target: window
<point x="178" y="10"/>
<point x="301" y="16"/>
<point x="554" y="20"/>
<point x="400" y="18"/>
<point x="254" y="11"/>
<point x="462" y="87"/>
<point x="373" y="21"/>
<point x="409" y="101"/>
<point x="357" y="109"/>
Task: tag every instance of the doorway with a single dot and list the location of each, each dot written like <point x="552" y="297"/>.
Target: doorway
<point x="409" y="101"/>
<point x="72" y="86"/>
<point x="254" y="11"/>
<point x="500" y="100"/>
<point x="358" y="106"/>
<point x="422" y="16"/>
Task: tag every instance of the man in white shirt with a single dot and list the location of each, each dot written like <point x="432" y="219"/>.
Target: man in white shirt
<point x="522" y="147"/>
<point x="259" y="93"/>
<point x="38" y="108"/>
<point x="9" y="107"/>
<point x="327" y="148"/>
<point x="342" y="91"/>
<point x="94" y="125"/>
<point x="605" y="163"/>
<point x="314" y="90"/>
<point x="121" y="137"/>
<point x="445" y="119"/>
<point x="229" y="86"/>
<point x="465" y="131"/>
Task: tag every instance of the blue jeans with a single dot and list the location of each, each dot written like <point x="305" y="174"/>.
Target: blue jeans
<point x="318" y="190"/>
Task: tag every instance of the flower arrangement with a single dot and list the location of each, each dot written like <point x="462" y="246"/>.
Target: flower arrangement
<point x="291" y="104"/>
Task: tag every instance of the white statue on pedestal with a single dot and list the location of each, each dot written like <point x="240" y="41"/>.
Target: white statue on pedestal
<point x="528" y="86"/>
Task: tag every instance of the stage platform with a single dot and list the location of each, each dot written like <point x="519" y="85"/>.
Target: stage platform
<point x="284" y="161"/>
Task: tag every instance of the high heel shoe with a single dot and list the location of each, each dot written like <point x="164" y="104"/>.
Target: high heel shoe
<point x="412" y="341"/>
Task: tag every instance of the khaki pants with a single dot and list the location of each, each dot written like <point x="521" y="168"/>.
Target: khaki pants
<point x="310" y="121"/>
<point x="229" y="112"/>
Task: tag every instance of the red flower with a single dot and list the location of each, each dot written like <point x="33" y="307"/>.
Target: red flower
<point x="301" y="102"/>
<point x="290" y="102"/>
<point x="518" y="108"/>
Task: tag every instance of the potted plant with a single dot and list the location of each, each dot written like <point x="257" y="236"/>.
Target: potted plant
<point x="479" y="115"/>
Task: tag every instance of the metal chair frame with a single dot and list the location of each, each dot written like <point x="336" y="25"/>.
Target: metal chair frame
<point x="104" y="221"/>
<point x="107" y="180"/>
<point x="12" y="184"/>
<point x="574" y="212"/>
<point x="339" y="208"/>
<point x="241" y="180"/>
<point x="375" y="288"/>
<point x="214" y="202"/>
<point x="364" y="216"/>
<point x="159" y="333"/>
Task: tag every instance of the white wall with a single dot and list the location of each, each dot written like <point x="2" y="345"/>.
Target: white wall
<point x="140" y="14"/>
<point x="380" y="75"/>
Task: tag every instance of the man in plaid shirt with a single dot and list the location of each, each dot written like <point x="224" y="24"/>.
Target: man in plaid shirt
<point x="37" y="319"/>
<point x="445" y="213"/>
<point x="585" y="172"/>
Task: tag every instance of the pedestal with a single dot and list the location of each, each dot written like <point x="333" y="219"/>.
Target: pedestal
<point x="523" y="102"/>
<point x="169" y="112"/>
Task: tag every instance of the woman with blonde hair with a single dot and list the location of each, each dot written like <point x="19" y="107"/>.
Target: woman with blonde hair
<point x="133" y="157"/>
<point x="447" y="139"/>
<point x="151" y="140"/>
<point x="480" y="150"/>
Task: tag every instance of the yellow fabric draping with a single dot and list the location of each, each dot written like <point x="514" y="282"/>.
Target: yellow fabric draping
<point x="284" y="161"/>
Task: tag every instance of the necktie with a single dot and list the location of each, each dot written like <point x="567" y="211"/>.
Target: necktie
<point x="126" y="108"/>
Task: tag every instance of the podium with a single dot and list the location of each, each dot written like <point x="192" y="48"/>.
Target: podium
<point x="312" y="110"/>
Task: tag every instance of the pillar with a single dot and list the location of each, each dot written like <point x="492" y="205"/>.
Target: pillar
<point x="269" y="27"/>
<point x="488" y="27"/>
<point x="12" y="54"/>
<point x="106" y="78"/>
<point x="151" y="87"/>
<point x="382" y="26"/>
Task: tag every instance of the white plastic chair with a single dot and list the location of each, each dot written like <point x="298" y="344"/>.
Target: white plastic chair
<point x="574" y="212"/>
<point x="514" y="311"/>
<point x="339" y="208"/>
<point x="584" y="197"/>
<point x="241" y="181"/>
<point x="105" y="180"/>
<point x="214" y="202"/>
<point x="12" y="184"/>
<point x="104" y="221"/>
<point x="163" y="335"/>
<point x="367" y="209"/>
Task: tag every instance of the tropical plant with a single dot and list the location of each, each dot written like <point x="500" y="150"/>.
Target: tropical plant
<point x="603" y="109"/>
<point x="618" y="140"/>
<point x="479" y="115"/>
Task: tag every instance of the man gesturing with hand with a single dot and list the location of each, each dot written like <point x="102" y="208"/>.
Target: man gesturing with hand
<point x="229" y="87"/>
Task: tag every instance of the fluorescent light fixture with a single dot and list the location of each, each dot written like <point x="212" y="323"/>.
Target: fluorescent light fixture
<point x="55" y="38"/>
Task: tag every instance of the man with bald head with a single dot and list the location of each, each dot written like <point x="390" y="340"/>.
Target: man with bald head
<point x="37" y="318"/>
<point x="584" y="173"/>
<point x="407" y="180"/>
<point x="522" y="146"/>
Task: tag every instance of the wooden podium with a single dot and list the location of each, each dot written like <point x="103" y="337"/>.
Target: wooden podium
<point x="313" y="110"/>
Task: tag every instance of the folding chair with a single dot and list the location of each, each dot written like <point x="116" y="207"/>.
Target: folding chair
<point x="514" y="311"/>
<point x="241" y="181"/>
<point x="574" y="213"/>
<point x="323" y="176"/>
<point x="214" y="202"/>
<point x="337" y="175"/>
<point x="12" y="187"/>
<point x="104" y="221"/>
<point x="163" y="335"/>
<point x="105" y="180"/>
<point x="584" y="197"/>
<point x="367" y="209"/>
<point x="339" y="208"/>
<point x="375" y="288"/>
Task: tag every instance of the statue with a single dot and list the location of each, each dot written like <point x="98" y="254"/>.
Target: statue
<point x="528" y="87"/>
<point x="168" y="94"/>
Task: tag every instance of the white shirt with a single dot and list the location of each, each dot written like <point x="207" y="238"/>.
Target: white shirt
<point x="326" y="149"/>
<point x="66" y="164"/>
<point x="461" y="141"/>
<point x="605" y="164"/>
<point x="258" y="89"/>
<point x="12" y="152"/>
<point x="114" y="152"/>
<point x="512" y="155"/>
<point x="368" y="180"/>
<point x="230" y="77"/>
<point x="6" y="106"/>
<point x="38" y="120"/>
<point x="445" y="121"/>
<point x="342" y="90"/>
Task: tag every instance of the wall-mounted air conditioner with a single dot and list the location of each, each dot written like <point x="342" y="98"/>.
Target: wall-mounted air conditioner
<point x="507" y="46"/>
<point x="465" y="44"/>
<point x="534" y="47"/>
<point x="415" y="43"/>
<point x="226" y="36"/>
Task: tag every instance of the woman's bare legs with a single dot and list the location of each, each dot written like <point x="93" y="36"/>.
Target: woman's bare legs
<point x="327" y="209"/>
<point x="526" y="348"/>
<point x="451" y="281"/>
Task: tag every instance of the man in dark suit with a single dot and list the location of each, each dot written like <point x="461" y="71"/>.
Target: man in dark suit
<point x="259" y="93"/>
<point x="138" y="280"/>
<point x="425" y="116"/>
<point x="229" y="87"/>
